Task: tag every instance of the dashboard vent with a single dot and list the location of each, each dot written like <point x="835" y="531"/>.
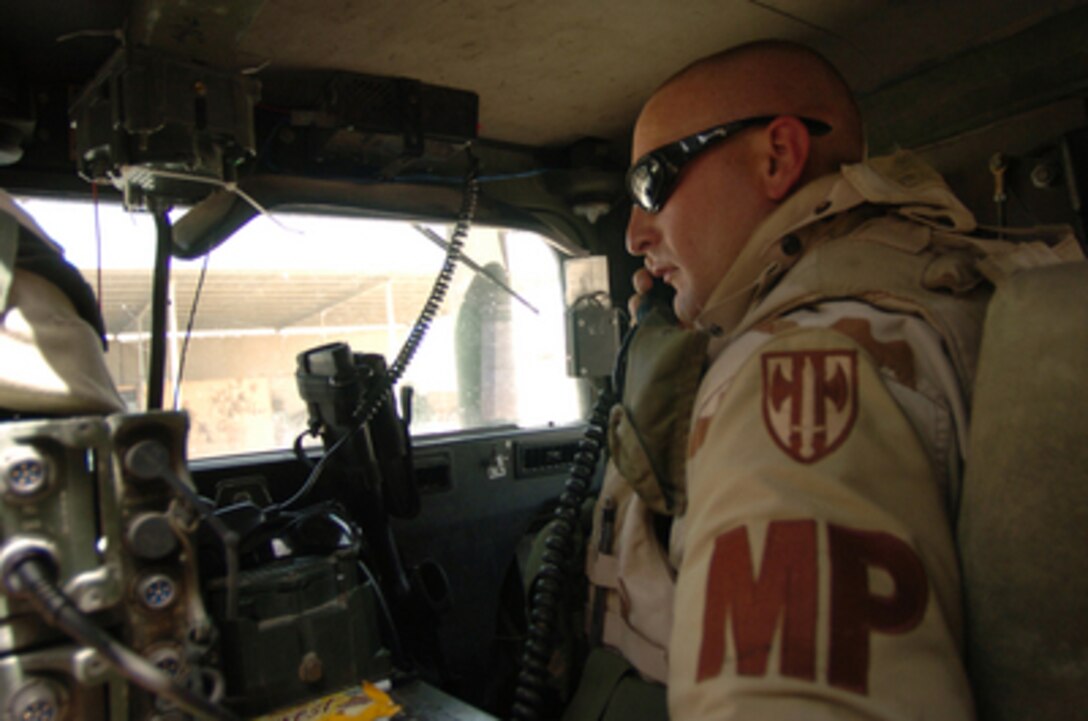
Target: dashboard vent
<point x="544" y="459"/>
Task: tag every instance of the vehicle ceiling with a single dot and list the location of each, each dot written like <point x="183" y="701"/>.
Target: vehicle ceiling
<point x="547" y="73"/>
<point x="551" y="73"/>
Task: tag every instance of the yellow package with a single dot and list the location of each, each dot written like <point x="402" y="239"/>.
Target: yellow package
<point x="364" y="703"/>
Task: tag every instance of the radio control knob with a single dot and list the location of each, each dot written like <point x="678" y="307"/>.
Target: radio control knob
<point x="147" y="460"/>
<point x="151" y="537"/>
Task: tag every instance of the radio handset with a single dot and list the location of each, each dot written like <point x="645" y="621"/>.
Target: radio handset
<point x="654" y="309"/>
<point x="335" y="384"/>
<point x="658" y="300"/>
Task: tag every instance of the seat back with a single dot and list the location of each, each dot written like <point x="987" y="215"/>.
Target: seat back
<point x="1023" y="525"/>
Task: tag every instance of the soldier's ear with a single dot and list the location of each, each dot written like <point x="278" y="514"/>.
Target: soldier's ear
<point x="785" y="154"/>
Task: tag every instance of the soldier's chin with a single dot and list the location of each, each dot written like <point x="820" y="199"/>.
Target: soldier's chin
<point x="686" y="309"/>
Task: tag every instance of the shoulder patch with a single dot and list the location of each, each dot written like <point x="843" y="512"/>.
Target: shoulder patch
<point x="810" y="400"/>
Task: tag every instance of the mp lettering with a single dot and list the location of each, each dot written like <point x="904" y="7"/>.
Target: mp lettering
<point x="778" y="604"/>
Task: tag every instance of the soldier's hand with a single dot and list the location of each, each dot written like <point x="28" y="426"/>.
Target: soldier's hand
<point x="641" y="281"/>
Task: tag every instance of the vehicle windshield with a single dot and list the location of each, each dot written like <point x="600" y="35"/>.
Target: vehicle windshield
<point x="493" y="356"/>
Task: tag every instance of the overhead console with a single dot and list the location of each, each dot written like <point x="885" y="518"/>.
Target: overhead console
<point x="162" y="128"/>
<point x="322" y="123"/>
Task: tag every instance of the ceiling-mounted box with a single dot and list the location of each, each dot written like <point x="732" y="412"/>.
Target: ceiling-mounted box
<point x="319" y="122"/>
<point x="159" y="126"/>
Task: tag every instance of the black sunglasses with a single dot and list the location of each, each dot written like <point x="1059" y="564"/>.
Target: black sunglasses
<point x="652" y="178"/>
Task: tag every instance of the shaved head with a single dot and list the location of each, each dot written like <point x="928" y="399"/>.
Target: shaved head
<point x="719" y="197"/>
<point x="767" y="77"/>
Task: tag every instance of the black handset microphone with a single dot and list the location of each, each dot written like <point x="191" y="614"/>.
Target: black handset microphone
<point x="654" y="307"/>
<point x="659" y="298"/>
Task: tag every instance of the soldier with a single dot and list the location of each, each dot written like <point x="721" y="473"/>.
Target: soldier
<point x="51" y="331"/>
<point x="773" y="538"/>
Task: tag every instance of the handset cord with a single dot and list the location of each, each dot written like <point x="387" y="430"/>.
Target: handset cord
<point x="371" y="401"/>
<point x="546" y="589"/>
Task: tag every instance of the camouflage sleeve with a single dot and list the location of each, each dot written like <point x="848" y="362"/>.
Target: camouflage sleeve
<point x="818" y="577"/>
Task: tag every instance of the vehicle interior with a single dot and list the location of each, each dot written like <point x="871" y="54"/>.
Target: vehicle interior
<point x="279" y="202"/>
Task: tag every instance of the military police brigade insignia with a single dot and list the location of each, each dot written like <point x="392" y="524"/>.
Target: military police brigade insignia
<point x="810" y="400"/>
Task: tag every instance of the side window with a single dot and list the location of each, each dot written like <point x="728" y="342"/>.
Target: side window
<point x="494" y="354"/>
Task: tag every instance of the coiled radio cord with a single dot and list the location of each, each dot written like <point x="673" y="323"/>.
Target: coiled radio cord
<point x="557" y="560"/>
<point x="465" y="217"/>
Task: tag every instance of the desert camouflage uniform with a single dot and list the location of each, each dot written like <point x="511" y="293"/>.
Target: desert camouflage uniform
<point x="51" y="359"/>
<point x="810" y="571"/>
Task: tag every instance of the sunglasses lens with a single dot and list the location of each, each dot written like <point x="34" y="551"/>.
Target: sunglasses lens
<point x="643" y="183"/>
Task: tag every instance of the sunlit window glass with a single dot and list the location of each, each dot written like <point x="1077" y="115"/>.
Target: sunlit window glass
<point x="493" y="356"/>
